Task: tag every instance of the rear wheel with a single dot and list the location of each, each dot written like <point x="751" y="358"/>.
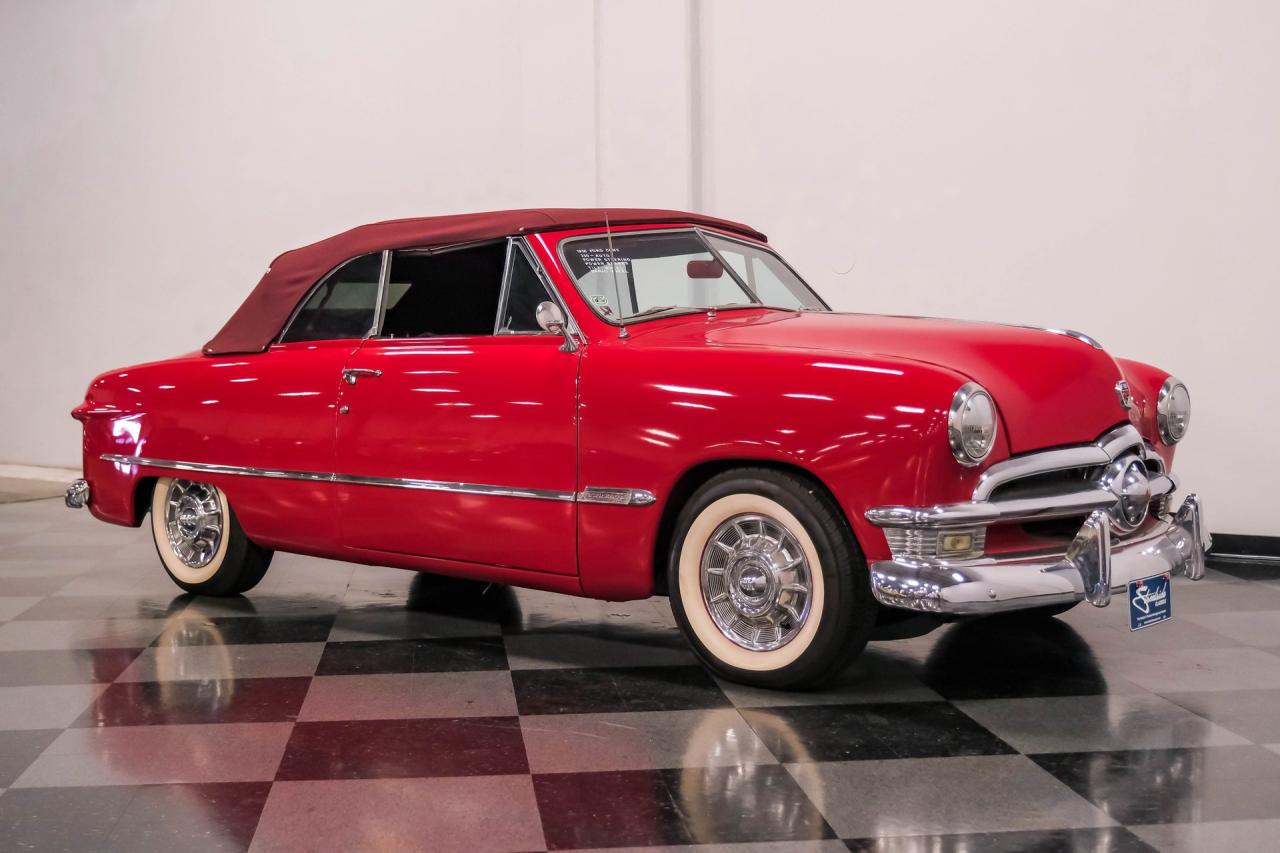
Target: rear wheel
<point x="767" y="582"/>
<point x="200" y="542"/>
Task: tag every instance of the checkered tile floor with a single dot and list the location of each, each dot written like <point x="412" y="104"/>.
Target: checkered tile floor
<point x="342" y="707"/>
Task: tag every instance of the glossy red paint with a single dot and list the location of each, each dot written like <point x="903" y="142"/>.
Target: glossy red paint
<point x="495" y="410"/>
<point x="858" y="403"/>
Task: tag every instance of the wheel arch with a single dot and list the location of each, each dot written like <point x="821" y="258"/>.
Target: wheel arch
<point x="694" y="477"/>
<point x="142" y="493"/>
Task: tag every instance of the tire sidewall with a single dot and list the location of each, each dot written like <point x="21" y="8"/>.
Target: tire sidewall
<point x="206" y="578"/>
<point x="689" y="574"/>
<point x="837" y="626"/>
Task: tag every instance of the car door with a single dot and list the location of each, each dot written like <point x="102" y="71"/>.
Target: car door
<point x="457" y="436"/>
<point x="271" y="415"/>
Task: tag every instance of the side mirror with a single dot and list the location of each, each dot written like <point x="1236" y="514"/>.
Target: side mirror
<point x="551" y="319"/>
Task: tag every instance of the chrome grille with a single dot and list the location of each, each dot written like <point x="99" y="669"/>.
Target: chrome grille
<point x="1051" y="472"/>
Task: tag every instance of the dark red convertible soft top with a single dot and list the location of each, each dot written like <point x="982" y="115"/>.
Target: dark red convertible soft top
<point x="263" y="314"/>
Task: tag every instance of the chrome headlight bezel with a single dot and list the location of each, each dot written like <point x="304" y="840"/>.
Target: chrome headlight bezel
<point x="1173" y="427"/>
<point x="956" y="423"/>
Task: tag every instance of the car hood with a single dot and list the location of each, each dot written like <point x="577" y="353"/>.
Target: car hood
<point x="1050" y="388"/>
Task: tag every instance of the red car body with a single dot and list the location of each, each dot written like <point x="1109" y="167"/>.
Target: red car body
<point x="858" y="402"/>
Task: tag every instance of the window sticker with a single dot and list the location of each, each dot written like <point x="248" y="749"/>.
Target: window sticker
<point x="602" y="258"/>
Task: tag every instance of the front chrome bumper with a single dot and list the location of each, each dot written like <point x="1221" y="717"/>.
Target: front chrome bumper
<point x="1092" y="568"/>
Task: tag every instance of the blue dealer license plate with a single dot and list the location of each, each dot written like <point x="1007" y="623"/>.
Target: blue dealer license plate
<point x="1150" y="601"/>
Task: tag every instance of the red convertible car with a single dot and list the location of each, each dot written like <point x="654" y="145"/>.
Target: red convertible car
<point x="617" y="403"/>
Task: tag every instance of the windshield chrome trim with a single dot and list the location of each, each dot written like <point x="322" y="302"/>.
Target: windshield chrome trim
<point x="770" y="251"/>
<point x="700" y="233"/>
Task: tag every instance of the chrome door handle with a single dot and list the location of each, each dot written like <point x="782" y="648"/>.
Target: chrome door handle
<point x="351" y="374"/>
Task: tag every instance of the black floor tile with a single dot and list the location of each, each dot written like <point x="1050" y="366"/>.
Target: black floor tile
<point x="1174" y="785"/>
<point x="756" y="803"/>
<point x="385" y="749"/>
<point x="231" y="700"/>
<point x="457" y="654"/>
<point x="1107" y="840"/>
<point x="593" y="691"/>
<point x="59" y="666"/>
<point x="133" y="819"/>
<point x="19" y="749"/>
<point x="872" y="731"/>
<point x="240" y="630"/>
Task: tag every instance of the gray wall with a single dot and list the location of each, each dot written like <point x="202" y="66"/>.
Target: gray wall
<point x="1108" y="167"/>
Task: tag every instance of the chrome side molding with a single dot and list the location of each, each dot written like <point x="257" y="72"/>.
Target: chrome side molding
<point x="616" y="497"/>
<point x="591" y="494"/>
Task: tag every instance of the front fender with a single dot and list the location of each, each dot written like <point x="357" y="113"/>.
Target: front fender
<point x="872" y="429"/>
<point x="1144" y="383"/>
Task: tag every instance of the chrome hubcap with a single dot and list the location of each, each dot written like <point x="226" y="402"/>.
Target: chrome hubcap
<point x="756" y="582"/>
<point x="193" y="519"/>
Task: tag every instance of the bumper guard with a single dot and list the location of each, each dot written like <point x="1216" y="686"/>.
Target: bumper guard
<point x="78" y="494"/>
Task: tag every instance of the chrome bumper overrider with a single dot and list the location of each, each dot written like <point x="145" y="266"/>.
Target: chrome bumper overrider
<point x="78" y="494"/>
<point x="1091" y="569"/>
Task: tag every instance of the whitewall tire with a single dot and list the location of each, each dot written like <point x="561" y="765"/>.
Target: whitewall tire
<point x="200" y="542"/>
<point x="766" y="580"/>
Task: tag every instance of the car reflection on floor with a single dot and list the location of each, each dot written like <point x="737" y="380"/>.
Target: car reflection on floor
<point x="317" y="711"/>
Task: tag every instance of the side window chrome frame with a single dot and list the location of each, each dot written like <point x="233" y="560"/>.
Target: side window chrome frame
<point x="384" y="281"/>
<point x="553" y="295"/>
<point x="514" y="244"/>
<point x="518" y="247"/>
<point x="385" y="264"/>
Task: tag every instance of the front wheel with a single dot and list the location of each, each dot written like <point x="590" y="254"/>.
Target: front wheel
<point x="767" y="582"/>
<point x="200" y="541"/>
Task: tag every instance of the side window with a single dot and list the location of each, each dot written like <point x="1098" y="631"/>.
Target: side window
<point x="447" y="293"/>
<point x="524" y="292"/>
<point x="342" y="306"/>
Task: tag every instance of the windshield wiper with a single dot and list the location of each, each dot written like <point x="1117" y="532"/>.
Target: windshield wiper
<point x="660" y="309"/>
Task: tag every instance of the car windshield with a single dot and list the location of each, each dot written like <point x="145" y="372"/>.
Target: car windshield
<point x="637" y="276"/>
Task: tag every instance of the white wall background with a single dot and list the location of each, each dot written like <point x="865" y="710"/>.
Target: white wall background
<point x="1108" y="167"/>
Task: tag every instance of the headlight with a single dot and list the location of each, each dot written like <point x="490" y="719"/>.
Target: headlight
<point x="1173" y="411"/>
<point x="971" y="424"/>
